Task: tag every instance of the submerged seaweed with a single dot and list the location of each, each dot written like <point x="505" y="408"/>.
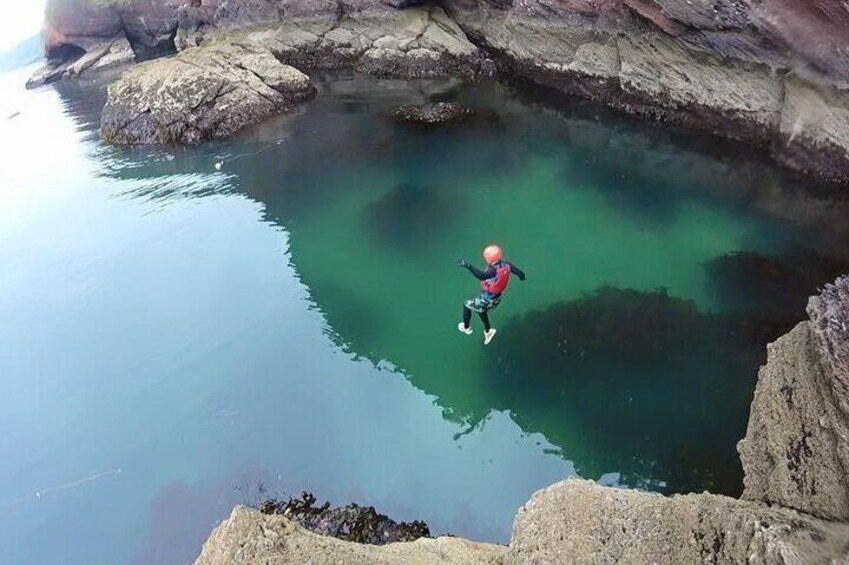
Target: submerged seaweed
<point x="359" y="524"/>
<point x="664" y="372"/>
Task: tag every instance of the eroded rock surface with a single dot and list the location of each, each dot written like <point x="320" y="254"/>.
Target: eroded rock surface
<point x="577" y="521"/>
<point x="204" y="93"/>
<point x="250" y="537"/>
<point x="418" y="42"/>
<point x="796" y="449"/>
<point x="772" y="73"/>
<point x="709" y="66"/>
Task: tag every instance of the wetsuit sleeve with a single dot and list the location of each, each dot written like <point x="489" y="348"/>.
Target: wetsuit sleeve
<point x="480" y="275"/>
<point x="517" y="271"/>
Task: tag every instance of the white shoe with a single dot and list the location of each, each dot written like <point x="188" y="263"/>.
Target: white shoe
<point x="462" y="327"/>
<point x="488" y="336"/>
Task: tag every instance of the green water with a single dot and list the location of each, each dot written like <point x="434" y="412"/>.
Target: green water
<point x="177" y="340"/>
<point x="375" y="236"/>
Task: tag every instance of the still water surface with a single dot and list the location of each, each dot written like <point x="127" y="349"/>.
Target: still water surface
<point x="175" y="340"/>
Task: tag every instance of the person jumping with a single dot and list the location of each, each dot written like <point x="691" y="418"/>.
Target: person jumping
<point x="494" y="281"/>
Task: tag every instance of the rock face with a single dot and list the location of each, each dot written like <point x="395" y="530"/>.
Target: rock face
<point x="250" y="537"/>
<point x="419" y="42"/>
<point x="148" y="25"/>
<point x="577" y="521"/>
<point x="204" y="93"/>
<point x="796" y="450"/>
<point x="772" y="72"/>
<point x="728" y="68"/>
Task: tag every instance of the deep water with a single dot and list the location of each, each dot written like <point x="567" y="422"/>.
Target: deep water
<point x="176" y="339"/>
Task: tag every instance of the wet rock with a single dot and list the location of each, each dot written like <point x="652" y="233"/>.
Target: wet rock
<point x="249" y="536"/>
<point x="577" y="521"/>
<point x="796" y="452"/>
<point x="354" y="523"/>
<point x="203" y="93"/>
<point x="814" y="131"/>
<point x="117" y="52"/>
<point x="432" y="113"/>
<point x="419" y="42"/>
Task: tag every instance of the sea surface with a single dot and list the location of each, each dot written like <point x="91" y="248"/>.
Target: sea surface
<point x="176" y="339"/>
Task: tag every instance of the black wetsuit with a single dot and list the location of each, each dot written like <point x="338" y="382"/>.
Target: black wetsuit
<point x="489" y="273"/>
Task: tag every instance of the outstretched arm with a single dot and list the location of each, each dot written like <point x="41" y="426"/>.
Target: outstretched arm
<point x="477" y="273"/>
<point x="517" y="271"/>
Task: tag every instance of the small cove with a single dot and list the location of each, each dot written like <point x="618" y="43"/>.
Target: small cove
<point x="178" y="340"/>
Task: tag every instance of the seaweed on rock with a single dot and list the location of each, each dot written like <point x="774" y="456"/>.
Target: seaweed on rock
<point x="360" y="524"/>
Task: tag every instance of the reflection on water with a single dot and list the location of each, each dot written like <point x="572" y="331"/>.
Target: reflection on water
<point x="295" y="313"/>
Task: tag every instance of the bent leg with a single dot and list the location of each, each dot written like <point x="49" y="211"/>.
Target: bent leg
<point x="485" y="319"/>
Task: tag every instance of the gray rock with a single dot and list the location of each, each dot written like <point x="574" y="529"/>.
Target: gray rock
<point x="114" y="53"/>
<point x="419" y="42"/>
<point x="577" y="521"/>
<point x="250" y="537"/>
<point x="203" y="93"/>
<point x="796" y="449"/>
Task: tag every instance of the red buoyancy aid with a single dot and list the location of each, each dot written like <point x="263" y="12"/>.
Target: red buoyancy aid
<point x="497" y="284"/>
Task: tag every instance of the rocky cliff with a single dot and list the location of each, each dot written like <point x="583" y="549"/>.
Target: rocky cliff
<point x="769" y="72"/>
<point x="794" y="509"/>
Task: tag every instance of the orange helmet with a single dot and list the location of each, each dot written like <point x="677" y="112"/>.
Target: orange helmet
<point x="492" y="254"/>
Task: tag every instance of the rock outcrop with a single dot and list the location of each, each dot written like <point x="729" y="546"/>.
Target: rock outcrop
<point x="419" y="42"/>
<point x="204" y="93"/>
<point x="577" y="521"/>
<point x="716" y="67"/>
<point x="250" y="537"/>
<point x="772" y="73"/>
<point x="796" y="450"/>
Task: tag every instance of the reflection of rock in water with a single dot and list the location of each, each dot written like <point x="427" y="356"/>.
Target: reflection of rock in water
<point x="776" y="288"/>
<point x="644" y="377"/>
<point x="407" y="216"/>
<point x="348" y="315"/>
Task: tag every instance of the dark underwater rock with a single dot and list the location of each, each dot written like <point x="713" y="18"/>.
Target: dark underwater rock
<point x="360" y="524"/>
<point x="432" y="113"/>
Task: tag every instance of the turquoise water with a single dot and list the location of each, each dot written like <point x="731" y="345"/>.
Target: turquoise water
<point x="176" y="340"/>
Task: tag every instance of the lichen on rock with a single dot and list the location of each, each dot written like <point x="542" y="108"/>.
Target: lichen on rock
<point x="204" y="93"/>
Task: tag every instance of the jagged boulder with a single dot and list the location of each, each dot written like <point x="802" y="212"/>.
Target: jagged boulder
<point x="204" y="93"/>
<point x="796" y="449"/>
<point x="578" y="521"/>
